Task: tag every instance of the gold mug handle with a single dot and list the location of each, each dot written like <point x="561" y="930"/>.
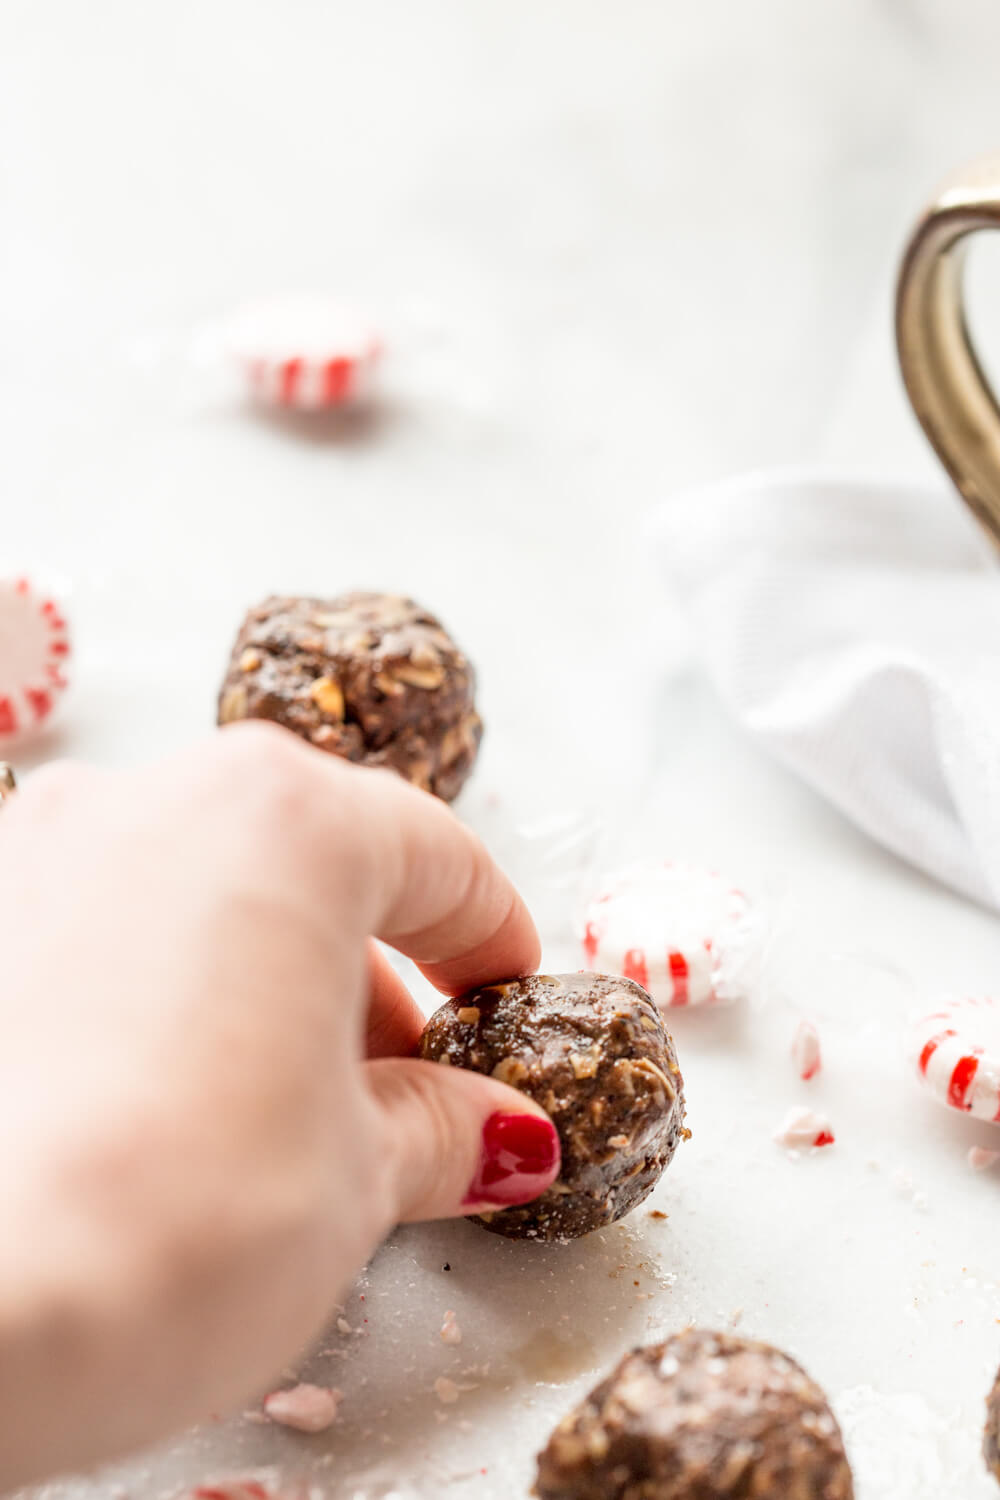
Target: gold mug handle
<point x="944" y="379"/>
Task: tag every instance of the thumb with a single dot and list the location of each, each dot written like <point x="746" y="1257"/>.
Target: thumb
<point x="458" y="1142"/>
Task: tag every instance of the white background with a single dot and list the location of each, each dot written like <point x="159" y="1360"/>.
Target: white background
<point x="614" y="250"/>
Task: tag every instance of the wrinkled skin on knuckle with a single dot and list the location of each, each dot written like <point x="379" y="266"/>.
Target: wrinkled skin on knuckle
<point x="409" y="1178"/>
<point x="261" y="763"/>
<point x="290" y="797"/>
<point x="363" y="1201"/>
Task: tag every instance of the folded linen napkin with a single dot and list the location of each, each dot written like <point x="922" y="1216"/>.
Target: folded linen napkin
<point x="853" y="627"/>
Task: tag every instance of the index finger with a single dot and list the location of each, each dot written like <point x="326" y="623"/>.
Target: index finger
<point x="411" y="873"/>
<point x="435" y="893"/>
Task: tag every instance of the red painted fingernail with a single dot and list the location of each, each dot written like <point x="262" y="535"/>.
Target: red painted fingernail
<point x="520" y="1156"/>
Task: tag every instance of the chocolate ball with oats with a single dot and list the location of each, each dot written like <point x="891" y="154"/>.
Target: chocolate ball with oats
<point x="592" y="1051"/>
<point x="700" y="1417"/>
<point x="991" y="1432"/>
<point x="369" y="677"/>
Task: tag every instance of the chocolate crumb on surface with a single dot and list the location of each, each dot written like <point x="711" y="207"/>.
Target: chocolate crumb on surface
<point x="704" y="1416"/>
<point x="592" y="1051"/>
<point x="991" y="1432"/>
<point x="370" y="677"/>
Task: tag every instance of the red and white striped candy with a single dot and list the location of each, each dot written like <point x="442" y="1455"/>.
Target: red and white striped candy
<point x="34" y="652"/>
<point x="304" y="353"/>
<point x="956" y="1050"/>
<point x="686" y="935"/>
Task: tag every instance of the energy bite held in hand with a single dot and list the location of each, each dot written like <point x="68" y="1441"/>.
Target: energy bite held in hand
<point x="703" y="1416"/>
<point x="369" y="677"/>
<point x="592" y="1051"/>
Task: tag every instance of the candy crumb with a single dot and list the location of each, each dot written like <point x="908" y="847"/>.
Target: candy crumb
<point x="980" y="1159"/>
<point x="451" y="1333"/>
<point x="803" y="1128"/>
<point x="446" y="1390"/>
<point x="307" y="1408"/>
<point x="806" y="1051"/>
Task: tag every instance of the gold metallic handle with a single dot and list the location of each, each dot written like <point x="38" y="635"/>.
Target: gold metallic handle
<point x="8" y="784"/>
<point x="945" y="381"/>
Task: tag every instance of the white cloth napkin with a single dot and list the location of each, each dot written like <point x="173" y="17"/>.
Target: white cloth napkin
<point x="853" y="627"/>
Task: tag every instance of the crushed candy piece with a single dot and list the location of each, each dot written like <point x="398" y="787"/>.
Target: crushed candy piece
<point x="980" y="1160"/>
<point x="806" y="1051"/>
<point x="451" y="1333"/>
<point x="307" y="1408"/>
<point x="236" y="1489"/>
<point x="803" y="1129"/>
<point x="445" y="1390"/>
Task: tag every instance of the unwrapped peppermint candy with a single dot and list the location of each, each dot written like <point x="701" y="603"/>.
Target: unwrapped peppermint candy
<point x="303" y="353"/>
<point x="688" y="936"/>
<point x="956" y="1050"/>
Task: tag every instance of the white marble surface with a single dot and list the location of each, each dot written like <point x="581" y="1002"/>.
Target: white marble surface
<point x="615" y="250"/>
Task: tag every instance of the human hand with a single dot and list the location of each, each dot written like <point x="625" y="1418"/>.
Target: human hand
<point x="208" y="1112"/>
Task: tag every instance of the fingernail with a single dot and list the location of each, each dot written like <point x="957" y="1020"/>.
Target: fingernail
<point x="519" y="1155"/>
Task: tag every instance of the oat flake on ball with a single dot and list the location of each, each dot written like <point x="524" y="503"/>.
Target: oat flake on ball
<point x="592" y="1051"/>
<point x="704" y="1416"/>
<point x="372" y="678"/>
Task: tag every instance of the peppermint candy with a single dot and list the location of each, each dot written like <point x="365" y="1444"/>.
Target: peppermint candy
<point x="303" y="353"/>
<point x="688" y="936"/>
<point x="34" y="656"/>
<point x="956" y="1051"/>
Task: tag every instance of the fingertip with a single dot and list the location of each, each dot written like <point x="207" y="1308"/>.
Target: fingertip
<point x="511" y="951"/>
<point x="441" y="898"/>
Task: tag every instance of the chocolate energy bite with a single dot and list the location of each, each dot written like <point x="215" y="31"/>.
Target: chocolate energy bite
<point x="369" y="677"/>
<point x="700" y="1417"/>
<point x="592" y="1051"/>
<point x="991" y="1432"/>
